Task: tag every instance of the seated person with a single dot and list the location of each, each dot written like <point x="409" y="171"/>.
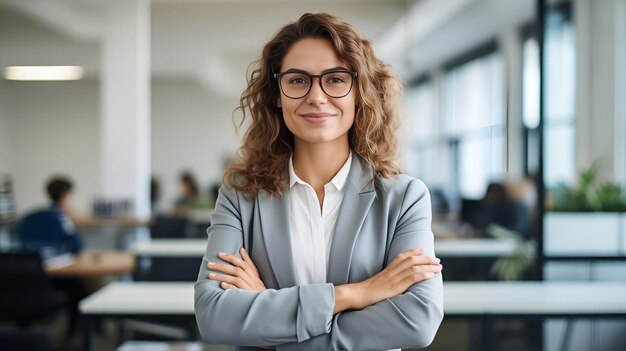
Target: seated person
<point x="52" y="231"/>
<point x="497" y="207"/>
<point x="190" y="195"/>
<point x="52" y="227"/>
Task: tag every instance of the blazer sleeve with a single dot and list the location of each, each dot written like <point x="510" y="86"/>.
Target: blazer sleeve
<point x="409" y="320"/>
<point x="248" y="318"/>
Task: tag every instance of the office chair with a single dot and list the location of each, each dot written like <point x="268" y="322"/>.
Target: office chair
<point x="26" y="294"/>
<point x="168" y="227"/>
<point x="162" y="269"/>
<point x="21" y="340"/>
<point x="168" y="269"/>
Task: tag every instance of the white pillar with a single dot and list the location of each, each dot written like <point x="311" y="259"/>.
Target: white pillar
<point x="125" y="103"/>
<point x="602" y="87"/>
<point x="584" y="125"/>
<point x="620" y="91"/>
<point x="511" y="45"/>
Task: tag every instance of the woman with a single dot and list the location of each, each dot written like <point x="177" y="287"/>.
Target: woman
<point x="317" y="242"/>
<point x="189" y="194"/>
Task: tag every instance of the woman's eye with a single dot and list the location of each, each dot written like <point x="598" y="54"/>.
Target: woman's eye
<point x="298" y="80"/>
<point x="335" y="80"/>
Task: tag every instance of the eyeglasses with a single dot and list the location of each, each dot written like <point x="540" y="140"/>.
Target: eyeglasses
<point x="296" y="84"/>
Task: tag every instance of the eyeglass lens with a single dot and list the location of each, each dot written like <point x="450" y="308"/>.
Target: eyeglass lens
<point x="334" y="84"/>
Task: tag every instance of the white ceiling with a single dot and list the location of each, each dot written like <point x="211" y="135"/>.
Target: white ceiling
<point x="191" y="38"/>
<point x="214" y="41"/>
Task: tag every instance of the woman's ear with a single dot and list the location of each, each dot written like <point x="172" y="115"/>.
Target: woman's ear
<point x="279" y="104"/>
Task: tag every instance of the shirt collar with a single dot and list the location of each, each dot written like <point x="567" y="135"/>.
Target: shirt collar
<point x="339" y="180"/>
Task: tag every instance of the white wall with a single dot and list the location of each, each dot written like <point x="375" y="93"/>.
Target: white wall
<point x="595" y="86"/>
<point x="53" y="128"/>
<point x="190" y="130"/>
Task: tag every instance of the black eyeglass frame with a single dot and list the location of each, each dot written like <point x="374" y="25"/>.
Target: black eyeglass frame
<point x="280" y="75"/>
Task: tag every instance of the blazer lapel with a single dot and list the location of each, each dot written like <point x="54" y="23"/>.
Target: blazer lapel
<point x="274" y="217"/>
<point x="358" y="197"/>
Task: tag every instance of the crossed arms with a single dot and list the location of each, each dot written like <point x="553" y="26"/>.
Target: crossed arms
<point x="401" y="306"/>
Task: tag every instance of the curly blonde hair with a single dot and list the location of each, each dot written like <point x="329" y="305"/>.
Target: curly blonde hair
<point x="263" y="158"/>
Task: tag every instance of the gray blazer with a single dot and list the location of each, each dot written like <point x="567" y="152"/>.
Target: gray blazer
<point x="374" y="225"/>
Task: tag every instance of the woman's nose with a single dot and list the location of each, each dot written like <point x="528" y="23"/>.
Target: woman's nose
<point x="316" y="95"/>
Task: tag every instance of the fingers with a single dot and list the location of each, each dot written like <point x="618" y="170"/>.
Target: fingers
<point x="237" y="272"/>
<point x="417" y="261"/>
<point x="248" y="260"/>
<point x="224" y="268"/>
<point x="404" y="255"/>
<point x="227" y="286"/>
<point x="411" y="257"/>
<point x="417" y="274"/>
<point x="235" y="261"/>
<point x="232" y="259"/>
<point x="231" y="281"/>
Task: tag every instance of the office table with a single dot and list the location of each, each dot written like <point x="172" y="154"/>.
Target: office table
<point x="474" y="247"/>
<point x="167" y="255"/>
<point x="491" y="300"/>
<point x="147" y="300"/>
<point x="170" y="248"/>
<point x="483" y="300"/>
<point x="463" y="247"/>
<point x="93" y="264"/>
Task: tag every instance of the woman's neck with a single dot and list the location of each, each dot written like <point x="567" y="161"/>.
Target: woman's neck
<point x="317" y="164"/>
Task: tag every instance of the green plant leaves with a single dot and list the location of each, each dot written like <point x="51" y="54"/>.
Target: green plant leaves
<point x="589" y="196"/>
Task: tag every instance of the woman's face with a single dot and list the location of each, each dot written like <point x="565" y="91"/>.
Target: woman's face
<point x="317" y="118"/>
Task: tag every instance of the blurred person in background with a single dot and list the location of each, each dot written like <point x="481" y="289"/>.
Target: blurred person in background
<point x="500" y="208"/>
<point x="189" y="194"/>
<point x="52" y="228"/>
<point x="155" y="194"/>
<point x="52" y="232"/>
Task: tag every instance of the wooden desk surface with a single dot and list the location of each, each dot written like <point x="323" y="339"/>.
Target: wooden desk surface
<point x="113" y="222"/>
<point x="90" y="264"/>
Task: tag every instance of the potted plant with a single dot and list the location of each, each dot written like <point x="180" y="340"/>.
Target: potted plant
<point x="587" y="220"/>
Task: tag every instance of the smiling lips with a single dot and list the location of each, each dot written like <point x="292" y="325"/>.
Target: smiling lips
<point x="317" y="117"/>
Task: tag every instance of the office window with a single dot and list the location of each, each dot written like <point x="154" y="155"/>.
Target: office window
<point x="530" y="103"/>
<point x="474" y="123"/>
<point x="425" y="155"/>
<point x="530" y="82"/>
<point x="559" y="98"/>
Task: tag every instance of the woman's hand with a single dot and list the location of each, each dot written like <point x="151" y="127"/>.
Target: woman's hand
<point x="241" y="273"/>
<point x="408" y="268"/>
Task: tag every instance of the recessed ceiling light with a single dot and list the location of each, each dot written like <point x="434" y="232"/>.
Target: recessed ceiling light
<point x="43" y="72"/>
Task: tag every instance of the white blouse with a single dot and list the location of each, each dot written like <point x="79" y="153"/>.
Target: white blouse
<point x="312" y="229"/>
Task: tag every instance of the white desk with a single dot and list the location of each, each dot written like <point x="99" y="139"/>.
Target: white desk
<point x="571" y="300"/>
<point x="172" y="301"/>
<point x="535" y="298"/>
<point x="461" y="298"/>
<point x="485" y="300"/>
<point x="470" y="247"/>
<point x="170" y="248"/>
<point x="474" y="247"/>
<point x="140" y="298"/>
